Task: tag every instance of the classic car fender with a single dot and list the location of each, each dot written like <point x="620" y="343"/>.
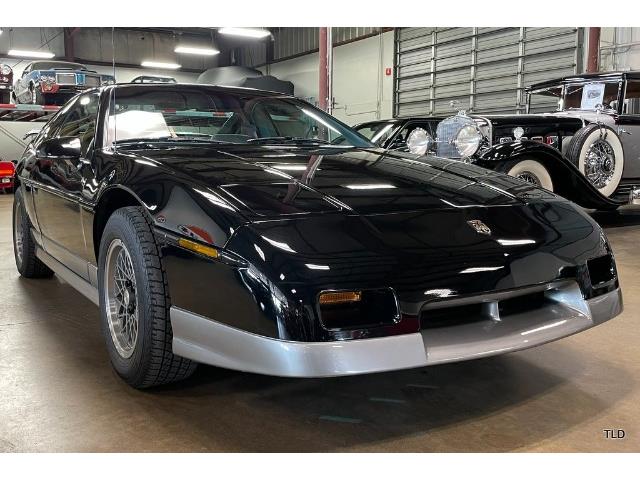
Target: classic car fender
<point x="568" y="180"/>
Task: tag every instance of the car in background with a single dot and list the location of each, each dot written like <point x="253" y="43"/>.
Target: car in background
<point x="587" y="151"/>
<point x="52" y="82"/>
<point x="6" y="83"/>
<point x="7" y="173"/>
<point x="318" y="258"/>
<point x="153" y="79"/>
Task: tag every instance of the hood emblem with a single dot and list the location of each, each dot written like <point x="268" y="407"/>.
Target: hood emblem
<point x="479" y="227"/>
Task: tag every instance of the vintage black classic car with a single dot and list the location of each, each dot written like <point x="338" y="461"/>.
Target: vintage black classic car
<point x="594" y="135"/>
<point x="6" y="83"/>
<point x="53" y="82"/>
<point x="252" y="231"/>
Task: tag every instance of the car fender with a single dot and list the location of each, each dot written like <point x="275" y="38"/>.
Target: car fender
<point x="567" y="179"/>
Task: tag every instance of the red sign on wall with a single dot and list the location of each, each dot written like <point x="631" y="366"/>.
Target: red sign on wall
<point x="387" y="71"/>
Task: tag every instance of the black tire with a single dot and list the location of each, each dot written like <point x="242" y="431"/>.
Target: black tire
<point x="24" y="252"/>
<point x="579" y="147"/>
<point x="37" y="97"/>
<point x="150" y="359"/>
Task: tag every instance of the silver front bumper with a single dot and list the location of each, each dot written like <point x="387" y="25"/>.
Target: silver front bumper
<point x="207" y="341"/>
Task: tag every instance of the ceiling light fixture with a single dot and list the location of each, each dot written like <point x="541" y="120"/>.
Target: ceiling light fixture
<point x="196" y="50"/>
<point x="30" y="54"/>
<point x="162" y="65"/>
<point x="245" y="32"/>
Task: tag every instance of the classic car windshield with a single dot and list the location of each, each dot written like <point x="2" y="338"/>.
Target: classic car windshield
<point x="212" y="115"/>
<point x="581" y="96"/>
<point x="57" y="65"/>
<point x="376" y="132"/>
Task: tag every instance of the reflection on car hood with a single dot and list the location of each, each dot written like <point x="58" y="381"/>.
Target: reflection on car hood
<point x="267" y="182"/>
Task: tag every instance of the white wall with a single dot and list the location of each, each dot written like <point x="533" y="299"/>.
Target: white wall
<point x="361" y="89"/>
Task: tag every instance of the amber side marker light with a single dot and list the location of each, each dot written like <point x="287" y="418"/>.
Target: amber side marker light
<point x="196" y="247"/>
<point x="332" y="298"/>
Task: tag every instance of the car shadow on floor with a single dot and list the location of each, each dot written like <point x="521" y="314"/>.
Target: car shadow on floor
<point x="500" y="403"/>
<point x="623" y="217"/>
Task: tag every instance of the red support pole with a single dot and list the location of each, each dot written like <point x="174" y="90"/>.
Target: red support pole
<point x="323" y="86"/>
<point x="594" y="49"/>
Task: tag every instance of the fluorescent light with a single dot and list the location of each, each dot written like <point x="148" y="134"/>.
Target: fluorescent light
<point x="507" y="243"/>
<point x="480" y="269"/>
<point x="30" y="54"/>
<point x="196" y="50"/>
<point x="291" y="167"/>
<point x="1" y="31"/>
<point x="245" y="32"/>
<point x="280" y="245"/>
<point x="370" y="186"/>
<point x="153" y="64"/>
<point x="313" y="266"/>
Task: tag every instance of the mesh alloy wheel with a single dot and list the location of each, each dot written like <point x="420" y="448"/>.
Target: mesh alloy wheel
<point x="121" y="298"/>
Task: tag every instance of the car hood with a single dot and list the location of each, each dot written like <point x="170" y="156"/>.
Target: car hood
<point x="265" y="183"/>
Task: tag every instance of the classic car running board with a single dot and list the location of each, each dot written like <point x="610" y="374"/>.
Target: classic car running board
<point x="68" y="276"/>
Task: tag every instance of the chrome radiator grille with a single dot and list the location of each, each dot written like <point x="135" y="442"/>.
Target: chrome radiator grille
<point x="66" y="78"/>
<point x="446" y="133"/>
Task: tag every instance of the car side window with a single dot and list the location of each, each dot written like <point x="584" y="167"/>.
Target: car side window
<point x="80" y="120"/>
<point x="632" y="98"/>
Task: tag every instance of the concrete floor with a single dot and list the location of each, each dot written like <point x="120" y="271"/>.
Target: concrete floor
<point x="58" y="392"/>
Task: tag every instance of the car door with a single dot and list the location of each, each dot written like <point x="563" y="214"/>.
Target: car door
<point x="58" y="186"/>
<point x="629" y="130"/>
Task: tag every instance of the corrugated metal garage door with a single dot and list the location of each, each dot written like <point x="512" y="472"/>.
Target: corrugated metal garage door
<point x="484" y="69"/>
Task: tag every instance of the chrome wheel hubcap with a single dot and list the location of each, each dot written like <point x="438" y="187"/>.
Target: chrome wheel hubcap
<point x="529" y="177"/>
<point x="18" y="232"/>
<point x="120" y="298"/>
<point x="600" y="163"/>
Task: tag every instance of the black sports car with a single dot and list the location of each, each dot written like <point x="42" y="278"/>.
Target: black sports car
<point x="252" y="231"/>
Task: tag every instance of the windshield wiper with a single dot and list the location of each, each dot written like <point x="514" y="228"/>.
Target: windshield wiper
<point x="280" y="140"/>
<point x="168" y="139"/>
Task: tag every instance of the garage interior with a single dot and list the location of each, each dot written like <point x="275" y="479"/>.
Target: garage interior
<point x="59" y="393"/>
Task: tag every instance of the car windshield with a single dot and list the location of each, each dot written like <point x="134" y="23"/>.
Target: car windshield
<point x="377" y="132"/>
<point x="578" y="96"/>
<point x="170" y="114"/>
<point x="57" y="65"/>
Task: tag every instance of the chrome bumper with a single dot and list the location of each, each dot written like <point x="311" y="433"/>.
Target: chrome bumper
<point x="207" y="341"/>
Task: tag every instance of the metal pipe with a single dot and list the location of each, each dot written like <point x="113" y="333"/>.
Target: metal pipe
<point x="594" y="49"/>
<point x="323" y="70"/>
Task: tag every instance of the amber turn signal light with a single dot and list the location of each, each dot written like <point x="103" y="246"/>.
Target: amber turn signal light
<point x="198" y="248"/>
<point x="332" y="298"/>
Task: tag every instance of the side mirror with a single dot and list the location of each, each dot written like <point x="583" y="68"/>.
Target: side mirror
<point x="62" y="147"/>
<point x="30" y="133"/>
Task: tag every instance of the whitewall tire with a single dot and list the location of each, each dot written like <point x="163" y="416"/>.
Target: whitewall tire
<point x="531" y="171"/>
<point x="598" y="154"/>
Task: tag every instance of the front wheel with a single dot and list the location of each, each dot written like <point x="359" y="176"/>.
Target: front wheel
<point x="134" y="303"/>
<point x="531" y="171"/>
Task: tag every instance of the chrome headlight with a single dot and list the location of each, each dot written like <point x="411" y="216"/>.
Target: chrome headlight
<point x="468" y="140"/>
<point x="47" y="79"/>
<point x="419" y="141"/>
<point x="6" y="70"/>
